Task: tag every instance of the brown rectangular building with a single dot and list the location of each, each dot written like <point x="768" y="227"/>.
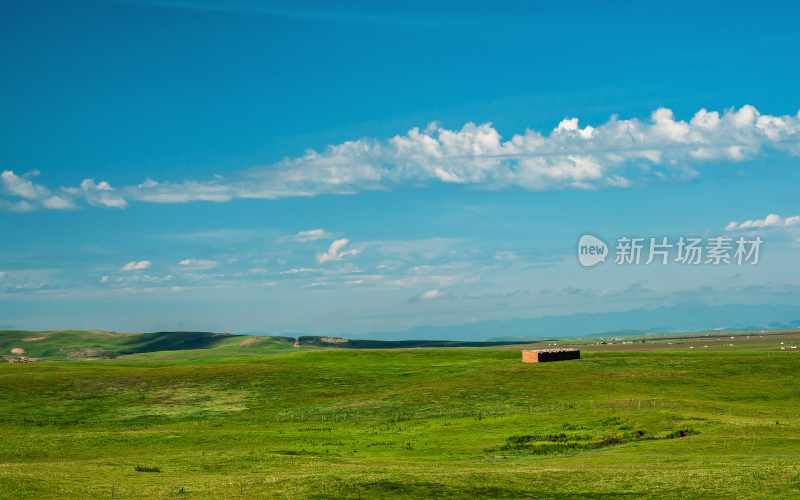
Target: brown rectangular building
<point x="544" y="355"/>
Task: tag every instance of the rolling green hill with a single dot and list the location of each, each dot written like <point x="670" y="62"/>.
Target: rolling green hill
<point x="62" y="345"/>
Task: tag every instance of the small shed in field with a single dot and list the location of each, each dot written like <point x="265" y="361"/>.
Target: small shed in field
<point x="544" y="355"/>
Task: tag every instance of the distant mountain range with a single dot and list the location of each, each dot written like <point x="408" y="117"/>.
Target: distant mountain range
<point x="685" y="317"/>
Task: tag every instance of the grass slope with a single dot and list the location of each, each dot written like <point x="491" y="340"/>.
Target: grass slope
<point x="672" y="422"/>
<point x="61" y="345"/>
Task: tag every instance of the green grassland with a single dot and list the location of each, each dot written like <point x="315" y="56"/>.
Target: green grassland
<point x="177" y="416"/>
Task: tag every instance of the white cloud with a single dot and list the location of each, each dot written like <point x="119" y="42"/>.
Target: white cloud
<point x="101" y="194"/>
<point x="30" y="280"/>
<point x="310" y="235"/>
<point x="431" y="294"/>
<point x="197" y="264"/>
<point x="136" y="265"/>
<point x="426" y="279"/>
<point x="771" y="220"/>
<point x="427" y="295"/>
<point x="336" y="251"/>
<point x="227" y="235"/>
<point x="298" y="270"/>
<point x="568" y="157"/>
<point x="424" y="249"/>
<point x="184" y="192"/>
<point x="22" y="187"/>
<point x="58" y="203"/>
<point x="27" y="196"/>
<point x="365" y="279"/>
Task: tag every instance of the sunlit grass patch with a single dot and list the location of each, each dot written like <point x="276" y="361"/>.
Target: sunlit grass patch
<point x="184" y="402"/>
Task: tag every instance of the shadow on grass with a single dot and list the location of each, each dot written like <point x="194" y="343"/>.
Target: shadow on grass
<point x="385" y="488"/>
<point x="549" y="444"/>
<point x="172" y="341"/>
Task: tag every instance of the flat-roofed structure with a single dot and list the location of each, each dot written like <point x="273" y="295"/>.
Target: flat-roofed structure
<point x="545" y="355"/>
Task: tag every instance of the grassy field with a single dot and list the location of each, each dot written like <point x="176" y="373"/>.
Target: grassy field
<point x="239" y="418"/>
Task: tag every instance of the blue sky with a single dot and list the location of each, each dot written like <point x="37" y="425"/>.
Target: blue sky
<point x="200" y="164"/>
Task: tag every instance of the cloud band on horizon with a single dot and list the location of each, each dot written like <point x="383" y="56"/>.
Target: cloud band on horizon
<point x="569" y="157"/>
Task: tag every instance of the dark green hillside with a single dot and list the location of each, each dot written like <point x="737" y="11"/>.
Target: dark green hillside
<point x="62" y="345"/>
